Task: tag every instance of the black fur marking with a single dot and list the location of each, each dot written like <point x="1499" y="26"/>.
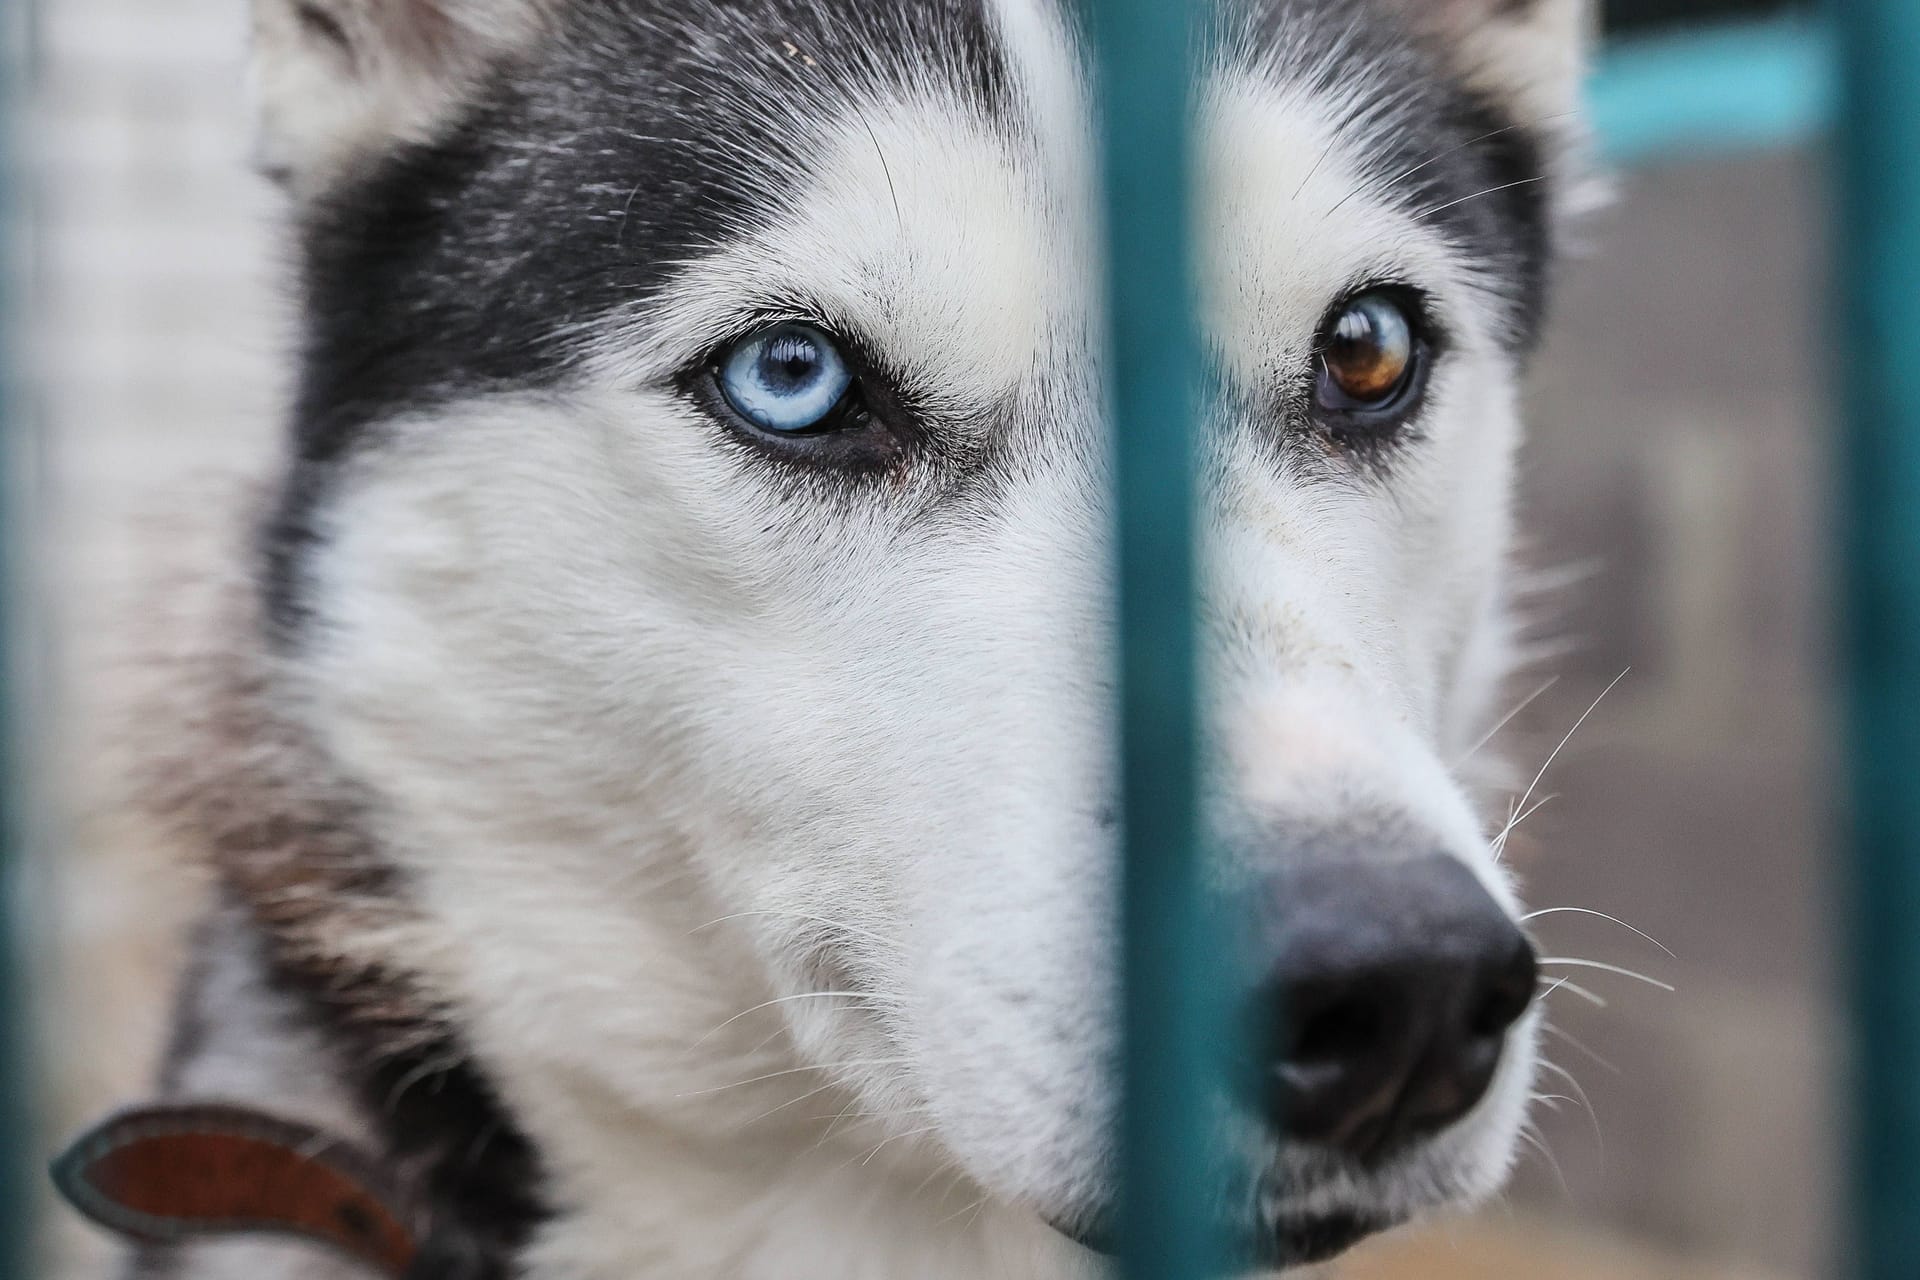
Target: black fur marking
<point x="323" y="26"/>
<point x="1444" y="152"/>
<point x="1310" y="1241"/>
<point x="1507" y="217"/>
<point x="434" y="1117"/>
<point x="437" y="1116"/>
<point x="188" y="1028"/>
<point x="637" y="137"/>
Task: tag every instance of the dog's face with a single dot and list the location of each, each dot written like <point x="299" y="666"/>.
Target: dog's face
<point x="699" y="543"/>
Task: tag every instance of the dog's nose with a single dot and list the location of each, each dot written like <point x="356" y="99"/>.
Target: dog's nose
<point x="1385" y="1015"/>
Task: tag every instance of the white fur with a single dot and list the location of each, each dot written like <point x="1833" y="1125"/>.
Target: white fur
<point x="668" y="750"/>
<point x="406" y="66"/>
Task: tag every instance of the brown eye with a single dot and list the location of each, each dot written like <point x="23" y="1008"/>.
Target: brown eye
<point x="1368" y="354"/>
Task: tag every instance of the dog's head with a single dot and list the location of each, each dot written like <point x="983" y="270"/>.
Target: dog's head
<point x="697" y="545"/>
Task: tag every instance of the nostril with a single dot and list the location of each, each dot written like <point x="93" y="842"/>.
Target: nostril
<point x="1494" y="1015"/>
<point x="1507" y="993"/>
<point x="1384" y="1012"/>
<point x="1338" y="1033"/>
<point x="1327" y="1061"/>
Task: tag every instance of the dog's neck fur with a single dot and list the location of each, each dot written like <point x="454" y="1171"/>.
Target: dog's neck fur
<point x="293" y="1004"/>
<point x="663" y="1203"/>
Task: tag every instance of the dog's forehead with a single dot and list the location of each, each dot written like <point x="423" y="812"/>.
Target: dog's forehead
<point x="643" y="142"/>
<point x="755" y="104"/>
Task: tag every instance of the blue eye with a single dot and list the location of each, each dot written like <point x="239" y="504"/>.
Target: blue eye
<point x="786" y="378"/>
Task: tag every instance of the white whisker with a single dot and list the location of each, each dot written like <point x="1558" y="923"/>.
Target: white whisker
<point x="1504" y="721"/>
<point x="799" y="1098"/>
<point x="1588" y="911"/>
<point x="1569" y="1038"/>
<point x="1532" y="1138"/>
<point x="1555" y="753"/>
<point x="1604" y="967"/>
<point x="839" y="925"/>
<point x="970" y="1207"/>
<point x="864" y="999"/>
<point x="793" y="1071"/>
<point x="1404" y="174"/>
<point x="1570" y="985"/>
<point x="892" y="1138"/>
<point x="1515" y="819"/>
<point x="1599" y="1137"/>
<point x="1484" y="191"/>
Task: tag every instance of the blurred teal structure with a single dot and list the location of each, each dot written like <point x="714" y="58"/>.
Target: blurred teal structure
<point x="1714" y="90"/>
<point x="1169" y="969"/>
<point x="1876" y="347"/>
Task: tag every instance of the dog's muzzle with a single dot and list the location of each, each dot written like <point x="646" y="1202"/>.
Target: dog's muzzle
<point x="1382" y="1008"/>
<point x="1388" y="992"/>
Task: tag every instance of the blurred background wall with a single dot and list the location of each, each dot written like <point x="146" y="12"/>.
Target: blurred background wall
<point x="1673" y="497"/>
<point x="159" y="335"/>
<point x="1676" y="480"/>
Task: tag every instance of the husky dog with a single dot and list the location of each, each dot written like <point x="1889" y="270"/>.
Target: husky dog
<point x="657" y="755"/>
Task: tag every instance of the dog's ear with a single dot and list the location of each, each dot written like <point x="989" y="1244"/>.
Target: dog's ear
<point x="336" y="78"/>
<point x="1528" y="54"/>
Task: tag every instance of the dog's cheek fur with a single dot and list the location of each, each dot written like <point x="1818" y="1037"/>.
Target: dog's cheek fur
<point x="703" y="791"/>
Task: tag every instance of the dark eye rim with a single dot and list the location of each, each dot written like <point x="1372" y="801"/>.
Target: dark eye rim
<point x="1348" y="420"/>
<point x="870" y="431"/>
<point x="711" y="391"/>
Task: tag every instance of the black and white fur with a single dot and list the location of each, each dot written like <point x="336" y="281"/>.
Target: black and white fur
<point x="694" y="860"/>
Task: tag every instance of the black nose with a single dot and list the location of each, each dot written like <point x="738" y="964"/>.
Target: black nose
<point x="1385" y="1013"/>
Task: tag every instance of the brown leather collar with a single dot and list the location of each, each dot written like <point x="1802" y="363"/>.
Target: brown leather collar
<point x="167" y="1174"/>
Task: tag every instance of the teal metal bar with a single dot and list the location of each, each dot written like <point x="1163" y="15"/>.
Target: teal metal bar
<point x="1165" y="1227"/>
<point x="1736" y="87"/>
<point x="1876" y="339"/>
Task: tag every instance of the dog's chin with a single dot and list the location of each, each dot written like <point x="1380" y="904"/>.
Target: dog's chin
<point x="1291" y="1241"/>
<point x="1301" y="1242"/>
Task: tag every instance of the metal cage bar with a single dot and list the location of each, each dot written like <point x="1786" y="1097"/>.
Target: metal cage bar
<point x="1876" y="335"/>
<point x="1164" y="1220"/>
